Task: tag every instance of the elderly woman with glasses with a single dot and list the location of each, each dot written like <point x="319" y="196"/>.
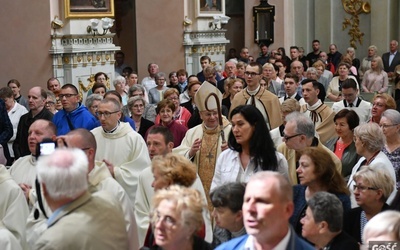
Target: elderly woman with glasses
<point x="390" y="124"/>
<point x="149" y="111"/>
<point x="380" y="103"/>
<point x="372" y="187"/>
<point x="170" y="170"/>
<point x="369" y="141"/>
<point x="176" y="218"/>
<point x="136" y="106"/>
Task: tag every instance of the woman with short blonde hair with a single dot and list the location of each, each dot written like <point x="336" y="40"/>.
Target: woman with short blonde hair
<point x="176" y="218"/>
<point x="372" y="187"/>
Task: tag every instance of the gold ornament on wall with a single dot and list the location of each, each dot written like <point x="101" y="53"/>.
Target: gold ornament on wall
<point x="85" y="89"/>
<point x="355" y="8"/>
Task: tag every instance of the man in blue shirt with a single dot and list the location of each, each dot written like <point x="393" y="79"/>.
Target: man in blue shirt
<point x="268" y="205"/>
<point x="73" y="115"/>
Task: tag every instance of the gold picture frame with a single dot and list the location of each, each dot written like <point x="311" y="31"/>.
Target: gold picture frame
<point x="89" y="8"/>
<point x="210" y="8"/>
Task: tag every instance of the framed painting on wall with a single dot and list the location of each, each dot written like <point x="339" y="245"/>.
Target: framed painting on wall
<point x="88" y="8"/>
<point x="210" y="8"/>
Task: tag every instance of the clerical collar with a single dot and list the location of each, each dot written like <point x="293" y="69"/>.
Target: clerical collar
<point x="292" y="96"/>
<point x="112" y="130"/>
<point x="208" y="128"/>
<point x="315" y="106"/>
<point x="355" y="102"/>
<point x="253" y="92"/>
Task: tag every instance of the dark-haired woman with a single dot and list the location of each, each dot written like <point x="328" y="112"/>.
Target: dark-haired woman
<point x="316" y="172"/>
<point x="251" y="149"/>
<point x="344" y="146"/>
<point x="227" y="201"/>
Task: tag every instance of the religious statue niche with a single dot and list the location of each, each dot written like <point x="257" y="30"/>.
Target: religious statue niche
<point x="264" y="18"/>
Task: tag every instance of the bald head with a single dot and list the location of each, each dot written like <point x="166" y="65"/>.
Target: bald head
<point x="39" y="130"/>
<point x="83" y="139"/>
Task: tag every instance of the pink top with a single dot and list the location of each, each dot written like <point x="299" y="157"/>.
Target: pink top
<point x="374" y="82"/>
<point x="182" y="118"/>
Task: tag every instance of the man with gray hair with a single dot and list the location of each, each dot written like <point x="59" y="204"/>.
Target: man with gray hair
<point x="298" y="134"/>
<point x="323" y="223"/>
<point x="79" y="220"/>
<point x="230" y="71"/>
<point x="99" y="179"/>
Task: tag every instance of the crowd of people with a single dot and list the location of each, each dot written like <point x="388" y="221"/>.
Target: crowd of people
<point x="274" y="152"/>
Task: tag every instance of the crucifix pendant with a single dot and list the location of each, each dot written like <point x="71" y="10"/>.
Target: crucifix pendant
<point x="209" y="156"/>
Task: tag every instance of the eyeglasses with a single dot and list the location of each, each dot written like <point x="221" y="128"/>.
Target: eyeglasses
<point x="168" y="221"/>
<point x="105" y="114"/>
<point x="139" y="106"/>
<point x="287" y="138"/>
<point x="362" y="188"/>
<point x="381" y="105"/>
<point x="173" y="98"/>
<point x="252" y="74"/>
<point x="61" y="96"/>
<point x="161" y="79"/>
<point x="385" y="126"/>
<point x="50" y="103"/>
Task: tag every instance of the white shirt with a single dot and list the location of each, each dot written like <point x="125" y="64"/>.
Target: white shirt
<point x="148" y="83"/>
<point x="249" y="245"/>
<point x="229" y="168"/>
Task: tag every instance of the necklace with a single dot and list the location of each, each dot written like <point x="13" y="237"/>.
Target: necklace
<point x="210" y="145"/>
<point x="210" y="156"/>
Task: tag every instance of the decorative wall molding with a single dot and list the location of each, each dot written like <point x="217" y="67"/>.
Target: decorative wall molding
<point x="76" y="58"/>
<point x="204" y="43"/>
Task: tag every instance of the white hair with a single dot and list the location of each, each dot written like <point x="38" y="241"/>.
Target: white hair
<point x="64" y="173"/>
<point x="385" y="223"/>
<point x="119" y="79"/>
